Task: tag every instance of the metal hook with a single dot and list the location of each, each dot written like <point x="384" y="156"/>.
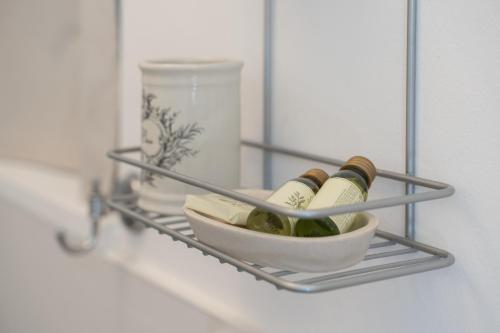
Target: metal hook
<point x="97" y="209"/>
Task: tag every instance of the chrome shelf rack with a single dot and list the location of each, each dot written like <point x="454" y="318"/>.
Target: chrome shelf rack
<point x="389" y="255"/>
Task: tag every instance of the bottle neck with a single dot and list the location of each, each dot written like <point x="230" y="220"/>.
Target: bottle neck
<point x="309" y="182"/>
<point x="315" y="180"/>
<point x="356" y="174"/>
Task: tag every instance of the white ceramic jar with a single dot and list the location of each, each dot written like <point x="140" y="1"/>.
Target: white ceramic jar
<point x="190" y="125"/>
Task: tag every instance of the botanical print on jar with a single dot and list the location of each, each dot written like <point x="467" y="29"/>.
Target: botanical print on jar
<point x="190" y="125"/>
<point x="163" y="143"/>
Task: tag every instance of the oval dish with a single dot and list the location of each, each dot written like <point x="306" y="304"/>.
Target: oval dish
<point x="318" y="254"/>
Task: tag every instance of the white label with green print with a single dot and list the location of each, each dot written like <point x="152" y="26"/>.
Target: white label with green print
<point x="293" y="194"/>
<point x="336" y="192"/>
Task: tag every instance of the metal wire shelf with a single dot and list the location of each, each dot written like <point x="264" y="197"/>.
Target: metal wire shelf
<point x="387" y="258"/>
<point x="389" y="255"/>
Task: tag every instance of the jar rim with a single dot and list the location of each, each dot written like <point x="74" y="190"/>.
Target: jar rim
<point x="174" y="64"/>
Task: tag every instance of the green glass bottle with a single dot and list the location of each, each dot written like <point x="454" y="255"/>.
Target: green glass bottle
<point x="349" y="185"/>
<point x="296" y="193"/>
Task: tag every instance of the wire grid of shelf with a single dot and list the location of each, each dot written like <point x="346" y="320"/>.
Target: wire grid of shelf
<point x="389" y="255"/>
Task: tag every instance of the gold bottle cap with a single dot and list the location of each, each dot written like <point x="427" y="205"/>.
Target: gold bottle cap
<point x="316" y="175"/>
<point x="363" y="164"/>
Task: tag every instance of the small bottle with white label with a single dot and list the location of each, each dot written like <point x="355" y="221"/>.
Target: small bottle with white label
<point x="296" y="193"/>
<point x="348" y="186"/>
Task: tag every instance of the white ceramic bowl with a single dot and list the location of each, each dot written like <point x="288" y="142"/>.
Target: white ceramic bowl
<point x="319" y="254"/>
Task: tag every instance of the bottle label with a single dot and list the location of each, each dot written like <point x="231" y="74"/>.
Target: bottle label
<point x="292" y="194"/>
<point x="336" y="192"/>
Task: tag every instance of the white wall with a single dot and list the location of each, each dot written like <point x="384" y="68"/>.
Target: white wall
<point x="39" y="82"/>
<point x="339" y="90"/>
<point x="459" y="142"/>
<point x="59" y="95"/>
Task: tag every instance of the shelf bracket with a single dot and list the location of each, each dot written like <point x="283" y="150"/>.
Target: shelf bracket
<point x="267" y="92"/>
<point x="411" y="74"/>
